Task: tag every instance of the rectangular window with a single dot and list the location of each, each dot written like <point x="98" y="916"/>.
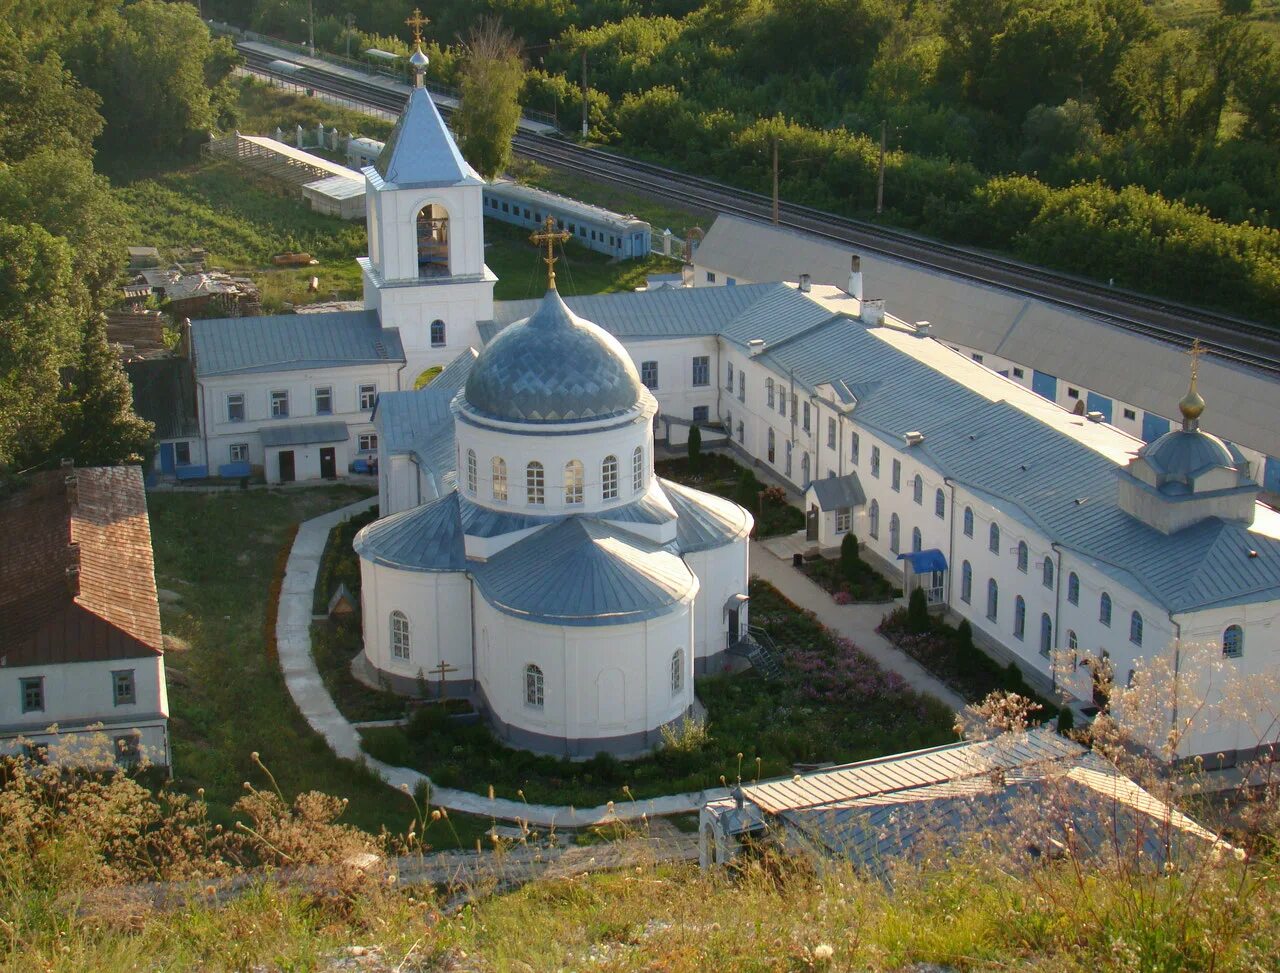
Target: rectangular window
<point x="844" y="516"/>
<point x="728" y="376"/>
<point x="122" y="687"/>
<point x="806" y="417"/>
<point x="279" y="405"/>
<point x="1073" y="393"/>
<point x="32" y="689"/>
<point x="701" y="370"/>
<point x="831" y="433"/>
<point x="853" y="449"/>
<point x="235" y="407"/>
<point x="324" y="401"/>
<point x="182" y="454"/>
<point x="1130" y="414"/>
<point x="701" y="413"/>
<point x="649" y="374"/>
<point x="1019" y="373"/>
<point x="875" y="461"/>
<point x="711" y="277"/>
<point x="897" y="474"/>
<point x="367" y="442"/>
<point x="976" y="357"/>
<point x="127" y="749"/>
<point x="782" y="403"/>
<point x="239" y="452"/>
<point x="742" y="386"/>
<point x="368" y="396"/>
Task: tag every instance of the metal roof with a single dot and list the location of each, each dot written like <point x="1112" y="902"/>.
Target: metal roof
<point x="283" y="342"/>
<point x="1186" y="452"/>
<point x="480" y="521"/>
<point x="338" y="187"/>
<point x="164" y="393"/>
<point x="302" y="433"/>
<point x="922" y="562"/>
<point x="424" y="538"/>
<point x="705" y="521"/>
<point x="582" y="571"/>
<point x="421" y="151"/>
<point x="419" y="422"/>
<point x="564" y="206"/>
<point x="833" y="492"/>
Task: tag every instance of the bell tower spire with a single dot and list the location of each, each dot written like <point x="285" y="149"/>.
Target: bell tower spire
<point x="417" y="59"/>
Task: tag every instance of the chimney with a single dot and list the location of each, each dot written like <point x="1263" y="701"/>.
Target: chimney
<point x="1095" y="417"/>
<point x="686" y="275"/>
<point x="913" y="438"/>
<point x="755" y="347"/>
<point x="806" y="283"/>
<point x="855" y="277"/>
<point x="73" y="575"/>
<point x="873" y="311"/>
<point x="923" y="329"/>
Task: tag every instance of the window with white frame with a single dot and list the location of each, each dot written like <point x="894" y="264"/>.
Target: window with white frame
<point x="873" y="519"/>
<point x="701" y="413"/>
<point x="807" y="412"/>
<point x="768" y="392"/>
<point x="400" y="643"/>
<point x="573" y="481"/>
<point x="280" y="404"/>
<point x="437" y="334"/>
<point x="831" y="433"/>
<point x="31" y="693"/>
<point x="728" y="380"/>
<point x="844" y="519"/>
<point x="472" y="472"/>
<point x="896" y="481"/>
<point x="771" y="444"/>
<point x="701" y="370"/>
<point x="535" y="483"/>
<point x="677" y="672"/>
<point x="534" y="687"/>
<point x="324" y="400"/>
<point x="637" y="470"/>
<point x="1233" y="642"/>
<point x="742" y="385"/>
<point x="368" y="397"/>
<point x="875" y="461"/>
<point x="123" y="690"/>
<point x="649" y="375"/>
<point x="367" y="442"/>
<point x="498" y="468"/>
<point x="853" y="449"/>
<point x="239" y="452"/>
<point x="235" y="407"/>
<point x="609" y="478"/>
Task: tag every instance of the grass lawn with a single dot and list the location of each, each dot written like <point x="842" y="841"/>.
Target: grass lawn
<point x="832" y="703"/>
<point x="720" y="474"/>
<point x="220" y="553"/>
<point x="261" y="109"/>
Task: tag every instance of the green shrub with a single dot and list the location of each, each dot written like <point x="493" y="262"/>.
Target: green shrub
<point x="389" y="744"/>
<point x="1066" y="720"/>
<point x="605" y="768"/>
<point x="918" y="620"/>
<point x="426" y="721"/>
<point x="694" y="447"/>
<point x="850" y="560"/>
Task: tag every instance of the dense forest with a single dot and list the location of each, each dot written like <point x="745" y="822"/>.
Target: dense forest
<point x="1091" y="135"/>
<point x="83" y="86"/>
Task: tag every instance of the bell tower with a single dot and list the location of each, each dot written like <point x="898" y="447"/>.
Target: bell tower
<point x="424" y="210"/>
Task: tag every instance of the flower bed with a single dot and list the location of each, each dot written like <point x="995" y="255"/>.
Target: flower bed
<point x="866" y="585"/>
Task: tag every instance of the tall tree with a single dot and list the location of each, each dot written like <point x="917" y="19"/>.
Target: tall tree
<point x="99" y="425"/>
<point x="41" y="106"/>
<point x="489" y="109"/>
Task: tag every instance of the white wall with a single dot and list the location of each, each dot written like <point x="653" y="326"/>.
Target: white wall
<point x="722" y="572"/>
<point x="436" y="604"/>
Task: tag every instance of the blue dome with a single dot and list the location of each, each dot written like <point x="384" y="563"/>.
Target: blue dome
<point x="1184" y="453"/>
<point x="553" y="367"/>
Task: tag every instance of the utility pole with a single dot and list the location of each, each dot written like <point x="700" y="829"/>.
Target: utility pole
<point x="584" y="94"/>
<point x="880" y="178"/>
<point x="351" y="22"/>
<point x="311" y="27"/>
<point x="775" y="181"/>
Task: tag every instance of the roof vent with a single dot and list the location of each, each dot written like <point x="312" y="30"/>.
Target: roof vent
<point x="806" y="283"/>
<point x="1081" y="501"/>
<point x="755" y="347"/>
<point x="1095" y="417"/>
<point x="1252" y="552"/>
<point x="873" y="311"/>
<point x="923" y="329"/>
<point x="913" y="438"/>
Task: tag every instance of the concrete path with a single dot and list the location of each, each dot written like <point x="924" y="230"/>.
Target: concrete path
<point x="855" y="622"/>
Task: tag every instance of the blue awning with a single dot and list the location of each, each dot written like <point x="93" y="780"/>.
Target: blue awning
<point x="923" y="562"/>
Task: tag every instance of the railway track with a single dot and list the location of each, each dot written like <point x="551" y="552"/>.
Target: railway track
<point x="1230" y="338"/>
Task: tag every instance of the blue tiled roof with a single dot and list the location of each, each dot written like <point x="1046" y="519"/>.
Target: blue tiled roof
<point x="420" y="150"/>
<point x="425" y="538"/>
<point x="420" y="423"/>
<point x="282" y="342"/>
<point x="584" y="572"/>
<point x="1184" y="453"/>
<point x="706" y="521"/>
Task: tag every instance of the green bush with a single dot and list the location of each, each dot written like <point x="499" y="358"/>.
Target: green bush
<point x="1066" y="720"/>
<point x="918" y="620"/>
<point x="426" y="721"/>
<point x="850" y="560"/>
<point x="388" y="744"/>
<point x="695" y="448"/>
<point x="605" y="768"/>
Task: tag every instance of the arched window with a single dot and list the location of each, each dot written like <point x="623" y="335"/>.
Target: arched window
<point x="609" y="478"/>
<point x="535" y="483"/>
<point x="1073" y="643"/>
<point x="1135" y="628"/>
<point x="677" y="672"/>
<point x="573" y="480"/>
<point x="768" y="392"/>
<point x="437" y="333"/>
<point x="917" y="489"/>
<point x="895" y="531"/>
<point x="1046" y="634"/>
<point x="400" y="642"/>
<point x="804" y="470"/>
<point x="499" y="467"/>
<point x="993" y="539"/>
<point x="1073" y="588"/>
<point x="637" y="470"/>
<point x="471" y="472"/>
<point x="917" y="542"/>
<point x="939" y="503"/>
<point x="1233" y="642"/>
<point x="1024" y="556"/>
<point x="873" y="519"/>
<point x="993" y="599"/>
<point x="1019" y="617"/>
<point x="772" y="442"/>
<point x="433" y="241"/>
<point x="968" y="521"/>
<point x="966" y="582"/>
<point x="1046" y="572"/>
<point x="533" y="687"/>
<point x="1104" y="609"/>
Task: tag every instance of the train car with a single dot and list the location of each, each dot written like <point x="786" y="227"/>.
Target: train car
<point x="621" y="236"/>
<point x="363" y="152"/>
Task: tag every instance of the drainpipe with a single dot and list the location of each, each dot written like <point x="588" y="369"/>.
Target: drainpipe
<point x="1177" y="672"/>
<point x="204" y="431"/>
<point x="1057" y="617"/>
<point x="951" y="537"/>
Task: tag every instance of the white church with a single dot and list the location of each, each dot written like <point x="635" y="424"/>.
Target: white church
<point x="529" y="557"/>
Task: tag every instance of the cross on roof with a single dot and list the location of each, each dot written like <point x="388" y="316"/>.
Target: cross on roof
<point x="550" y="236"/>
<point x="1195" y="352"/>
<point x="416" y="21"/>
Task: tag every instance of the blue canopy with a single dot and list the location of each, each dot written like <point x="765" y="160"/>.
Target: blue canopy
<point x="922" y="562"/>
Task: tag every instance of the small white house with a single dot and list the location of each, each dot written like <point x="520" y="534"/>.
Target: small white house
<point x="81" y="656"/>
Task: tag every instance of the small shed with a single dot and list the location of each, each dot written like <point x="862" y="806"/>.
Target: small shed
<point x="341" y="196"/>
<point x="342" y="604"/>
<point x="142" y="257"/>
<point x="829" y="504"/>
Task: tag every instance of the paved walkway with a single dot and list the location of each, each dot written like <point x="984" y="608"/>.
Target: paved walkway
<point x="855" y="622"/>
<point x="293" y="644"/>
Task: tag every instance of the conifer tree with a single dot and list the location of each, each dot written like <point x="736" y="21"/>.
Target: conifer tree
<point x="101" y="428"/>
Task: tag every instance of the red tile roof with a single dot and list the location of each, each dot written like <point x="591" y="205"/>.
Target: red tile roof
<point x="77" y="579"/>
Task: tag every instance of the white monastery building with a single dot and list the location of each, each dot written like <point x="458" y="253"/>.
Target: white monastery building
<point x="529" y="556"/>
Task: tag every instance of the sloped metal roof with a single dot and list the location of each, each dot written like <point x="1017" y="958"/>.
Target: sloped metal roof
<point x="302" y="433"/>
<point x="583" y="571"/>
<point x="164" y="392"/>
<point x="421" y="151"/>
<point x="424" y="538"/>
<point x="833" y="492"/>
<point x="283" y="342"/>
<point x="480" y="521"/>
<point x="419" y="422"/>
<point x="705" y="520"/>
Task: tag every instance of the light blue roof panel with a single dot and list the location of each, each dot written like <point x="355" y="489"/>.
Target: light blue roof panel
<point x="706" y="521"/>
<point x="302" y="433"/>
<point x="284" y="342"/>
<point x="833" y="492"/>
<point x="421" y="151"/>
<point x="424" y="538"/>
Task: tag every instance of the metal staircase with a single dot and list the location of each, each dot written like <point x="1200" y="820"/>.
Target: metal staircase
<point x="757" y="647"/>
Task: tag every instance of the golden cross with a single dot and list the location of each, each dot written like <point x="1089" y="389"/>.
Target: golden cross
<point x="417" y="22"/>
<point x="550" y="237"/>
<point x="1195" y="353"/>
